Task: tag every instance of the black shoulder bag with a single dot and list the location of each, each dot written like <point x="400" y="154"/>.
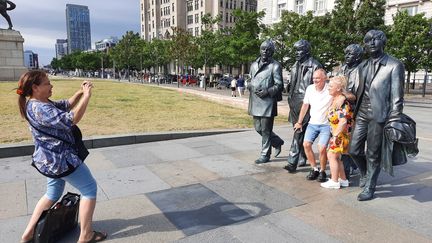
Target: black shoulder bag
<point x="79" y="146"/>
<point x="58" y="220"/>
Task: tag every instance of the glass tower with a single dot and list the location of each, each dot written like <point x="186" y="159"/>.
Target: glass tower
<point x="78" y="27"/>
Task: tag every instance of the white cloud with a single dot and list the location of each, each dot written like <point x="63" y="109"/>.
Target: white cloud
<point x="42" y="22"/>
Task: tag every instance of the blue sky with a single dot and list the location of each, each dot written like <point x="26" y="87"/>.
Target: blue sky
<point x="42" y="22"/>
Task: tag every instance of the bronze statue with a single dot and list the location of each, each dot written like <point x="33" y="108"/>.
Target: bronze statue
<point x="300" y="78"/>
<point x="353" y="58"/>
<point x="379" y="96"/>
<point x="265" y="91"/>
<point x="4" y="8"/>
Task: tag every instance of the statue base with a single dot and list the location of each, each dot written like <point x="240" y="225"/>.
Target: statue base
<point x="11" y="55"/>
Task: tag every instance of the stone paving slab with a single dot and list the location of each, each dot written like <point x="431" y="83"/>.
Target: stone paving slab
<point x="137" y="220"/>
<point x="16" y="169"/>
<point x="218" y="235"/>
<point x="400" y="203"/>
<point x="227" y="166"/>
<point x="13" y="200"/>
<point x="244" y="190"/>
<point x="195" y="209"/>
<point x="181" y="173"/>
<point x="174" y="152"/>
<point x="346" y="222"/>
<point x="129" y="181"/>
<point x="129" y="155"/>
<point x="278" y="227"/>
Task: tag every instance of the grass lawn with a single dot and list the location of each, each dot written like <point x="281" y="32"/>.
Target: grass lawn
<point x="121" y="108"/>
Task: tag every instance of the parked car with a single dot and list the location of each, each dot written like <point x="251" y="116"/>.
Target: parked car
<point x="224" y="82"/>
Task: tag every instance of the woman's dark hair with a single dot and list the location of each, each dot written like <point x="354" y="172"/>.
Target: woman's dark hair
<point x="25" y="83"/>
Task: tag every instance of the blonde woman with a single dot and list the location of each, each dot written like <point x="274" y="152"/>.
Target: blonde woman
<point x="341" y="119"/>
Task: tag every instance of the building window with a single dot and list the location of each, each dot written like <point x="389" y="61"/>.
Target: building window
<point x="172" y="7"/>
<point x="411" y="10"/>
<point x="202" y="3"/>
<point x="173" y="20"/>
<point x="226" y="3"/>
<point x="235" y="4"/>
<point x="226" y="17"/>
<point x="319" y="6"/>
<point x="196" y="18"/>
<point x="230" y="18"/>
<point x="190" y="19"/>
<point x="231" y="4"/>
<point x="190" y="30"/>
<point x="152" y="12"/>
<point x="196" y="31"/>
<point x="221" y="3"/>
<point x="153" y="24"/>
<point x="281" y="7"/>
<point x="189" y="5"/>
<point x="241" y="5"/>
<point x="196" y="4"/>
<point x="299" y="6"/>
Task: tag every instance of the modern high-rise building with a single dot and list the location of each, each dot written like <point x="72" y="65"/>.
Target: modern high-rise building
<point x="61" y="48"/>
<point x="78" y="27"/>
<point x="274" y="8"/>
<point x="159" y="16"/>
<point x="31" y="60"/>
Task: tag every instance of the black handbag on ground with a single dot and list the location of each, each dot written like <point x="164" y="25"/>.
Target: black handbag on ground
<point x="55" y="222"/>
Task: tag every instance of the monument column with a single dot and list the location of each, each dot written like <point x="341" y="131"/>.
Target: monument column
<point x="11" y="55"/>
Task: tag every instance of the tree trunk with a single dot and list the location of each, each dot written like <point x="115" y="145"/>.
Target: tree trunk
<point x="407" y="86"/>
<point x="413" y="84"/>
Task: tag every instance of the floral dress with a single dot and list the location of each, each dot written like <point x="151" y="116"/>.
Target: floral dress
<point x="340" y="143"/>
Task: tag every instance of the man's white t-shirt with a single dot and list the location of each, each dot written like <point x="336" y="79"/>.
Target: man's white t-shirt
<point x="319" y="102"/>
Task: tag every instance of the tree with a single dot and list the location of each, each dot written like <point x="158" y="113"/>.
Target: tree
<point x="343" y="27"/>
<point x="370" y="15"/>
<point x="181" y="46"/>
<point x="244" y="39"/>
<point x="294" y="27"/>
<point x="408" y="41"/>
<point x="55" y="63"/>
<point x="207" y="43"/>
<point x="126" y="52"/>
<point x="159" y="50"/>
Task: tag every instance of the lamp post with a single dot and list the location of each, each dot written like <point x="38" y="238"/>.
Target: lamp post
<point x="428" y="53"/>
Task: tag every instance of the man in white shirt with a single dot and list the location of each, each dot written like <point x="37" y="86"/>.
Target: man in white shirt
<point x="318" y="99"/>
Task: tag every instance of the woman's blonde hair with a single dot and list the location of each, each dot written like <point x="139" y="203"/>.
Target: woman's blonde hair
<point x="341" y="81"/>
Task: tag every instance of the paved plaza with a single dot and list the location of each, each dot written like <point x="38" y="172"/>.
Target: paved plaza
<point x="208" y="189"/>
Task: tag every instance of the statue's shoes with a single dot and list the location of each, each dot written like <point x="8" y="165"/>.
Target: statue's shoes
<point x="262" y="160"/>
<point x="366" y="194"/>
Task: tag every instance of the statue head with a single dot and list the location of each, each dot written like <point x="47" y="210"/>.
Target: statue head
<point x="375" y="41"/>
<point x="353" y="54"/>
<point x="302" y="50"/>
<point x="267" y="49"/>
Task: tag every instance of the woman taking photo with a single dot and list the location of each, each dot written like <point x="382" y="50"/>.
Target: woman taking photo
<point x="340" y="118"/>
<point x="50" y="123"/>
